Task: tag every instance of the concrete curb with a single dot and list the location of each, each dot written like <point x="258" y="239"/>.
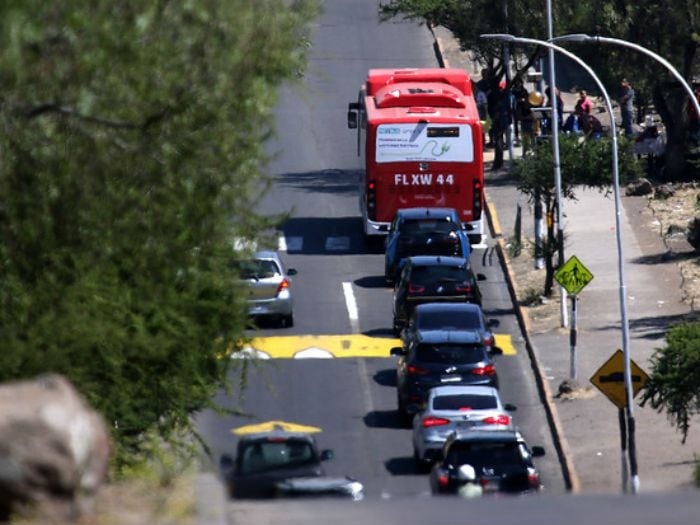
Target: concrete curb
<point x="571" y="478"/>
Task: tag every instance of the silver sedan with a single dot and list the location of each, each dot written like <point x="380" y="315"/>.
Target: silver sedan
<point x="270" y="293"/>
<point x="456" y="408"/>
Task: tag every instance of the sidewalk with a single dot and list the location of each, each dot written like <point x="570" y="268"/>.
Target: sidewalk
<point x="587" y="423"/>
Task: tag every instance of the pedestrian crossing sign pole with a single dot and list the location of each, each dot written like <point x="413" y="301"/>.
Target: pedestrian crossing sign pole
<point x="573" y="276"/>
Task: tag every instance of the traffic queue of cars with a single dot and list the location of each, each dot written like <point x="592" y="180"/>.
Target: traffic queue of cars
<point x="447" y="382"/>
<point x="446" y="377"/>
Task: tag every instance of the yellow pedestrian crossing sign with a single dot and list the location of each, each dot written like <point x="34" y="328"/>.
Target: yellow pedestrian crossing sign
<point x="610" y="379"/>
<point x="573" y="275"/>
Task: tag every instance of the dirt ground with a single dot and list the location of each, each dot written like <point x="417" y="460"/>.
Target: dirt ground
<point x="670" y="215"/>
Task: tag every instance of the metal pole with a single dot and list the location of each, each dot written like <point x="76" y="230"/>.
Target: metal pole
<point x="618" y="234"/>
<point x="572" y="338"/>
<point x="554" y="126"/>
<point x="623" y="449"/>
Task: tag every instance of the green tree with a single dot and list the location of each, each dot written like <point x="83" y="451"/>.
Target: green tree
<point x="584" y="163"/>
<point x="131" y="155"/>
<point x="674" y="383"/>
<point x="669" y="29"/>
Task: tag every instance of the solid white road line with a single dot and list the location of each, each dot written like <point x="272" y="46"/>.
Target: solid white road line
<point x="351" y="305"/>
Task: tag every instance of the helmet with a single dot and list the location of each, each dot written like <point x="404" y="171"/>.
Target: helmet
<point x="466" y="473"/>
<point x="535" y="98"/>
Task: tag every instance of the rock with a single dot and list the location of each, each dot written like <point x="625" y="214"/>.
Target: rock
<point x="693" y="234"/>
<point x="53" y="446"/>
<point x="639" y="187"/>
<point x="664" y="191"/>
<point x="568" y="386"/>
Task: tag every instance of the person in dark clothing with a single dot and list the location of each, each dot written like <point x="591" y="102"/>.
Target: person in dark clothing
<point x="627" y="106"/>
<point x="519" y="94"/>
<point x="590" y="125"/>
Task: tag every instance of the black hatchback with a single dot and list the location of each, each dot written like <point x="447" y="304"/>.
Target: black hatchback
<point x="430" y="279"/>
<point x="440" y="357"/>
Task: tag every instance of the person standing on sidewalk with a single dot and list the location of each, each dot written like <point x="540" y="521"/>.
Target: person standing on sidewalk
<point x="627" y="106"/>
<point x="583" y="104"/>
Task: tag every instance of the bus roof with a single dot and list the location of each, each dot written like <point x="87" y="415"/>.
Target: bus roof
<point x="379" y="78"/>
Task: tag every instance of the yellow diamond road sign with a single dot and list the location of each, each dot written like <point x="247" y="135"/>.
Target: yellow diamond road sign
<point x="573" y="275"/>
<point x="610" y="379"/>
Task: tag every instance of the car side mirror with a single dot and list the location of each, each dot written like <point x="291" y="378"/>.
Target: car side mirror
<point x="510" y="407"/>
<point x="327" y="455"/>
<point x="495" y="350"/>
<point x="397" y="351"/>
<point x="493" y="323"/>
<point x="226" y="463"/>
<point x="537" y="452"/>
<point x="291" y="271"/>
<point x="480" y="277"/>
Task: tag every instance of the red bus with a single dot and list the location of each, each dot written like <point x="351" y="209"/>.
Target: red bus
<point x="420" y="143"/>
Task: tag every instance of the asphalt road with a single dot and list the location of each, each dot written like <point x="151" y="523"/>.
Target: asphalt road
<point x="353" y="400"/>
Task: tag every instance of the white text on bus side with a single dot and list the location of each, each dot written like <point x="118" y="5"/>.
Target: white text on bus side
<point x="422" y="179"/>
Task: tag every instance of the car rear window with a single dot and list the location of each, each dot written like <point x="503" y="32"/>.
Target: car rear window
<point x="450" y="353"/>
<point x="443" y="320"/>
<point x="464" y="402"/>
<point x="425" y="275"/>
<point x="485" y="454"/>
<point x="427" y="225"/>
<point x="257" y="269"/>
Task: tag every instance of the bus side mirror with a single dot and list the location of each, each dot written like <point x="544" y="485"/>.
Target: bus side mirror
<point x="353" y="108"/>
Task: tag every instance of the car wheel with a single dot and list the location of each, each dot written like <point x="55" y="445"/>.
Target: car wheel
<point x="422" y="465"/>
<point x="287" y="321"/>
<point x="404" y="417"/>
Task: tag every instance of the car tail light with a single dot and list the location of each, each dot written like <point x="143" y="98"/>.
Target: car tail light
<point x="488" y="340"/>
<point x="477" y="195"/>
<point x="415" y="288"/>
<point x="501" y="419"/>
<point x="416" y="370"/>
<point x="463" y="288"/>
<point x="372" y="200"/>
<point x="533" y="478"/>
<point x="488" y="370"/>
<point x="284" y="285"/>
<point x="442" y="478"/>
<point x="431" y="421"/>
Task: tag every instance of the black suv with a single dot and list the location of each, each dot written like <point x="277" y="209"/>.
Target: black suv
<point x="450" y="316"/>
<point x="264" y="460"/>
<point x="501" y="459"/>
<point x="427" y="279"/>
<point x="440" y="357"/>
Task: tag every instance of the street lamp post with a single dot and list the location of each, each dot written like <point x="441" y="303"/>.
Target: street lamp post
<point x="557" y="164"/>
<point x="620" y="253"/>
<point x="581" y="37"/>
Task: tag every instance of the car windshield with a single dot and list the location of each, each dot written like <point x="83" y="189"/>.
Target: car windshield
<point x="485" y="454"/>
<point x="425" y="275"/>
<point x="447" y="319"/>
<point x="257" y="269"/>
<point x="464" y="402"/>
<point x="267" y="455"/>
<point x="450" y="353"/>
<point x="417" y="226"/>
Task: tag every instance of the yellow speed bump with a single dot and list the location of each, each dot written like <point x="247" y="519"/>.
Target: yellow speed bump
<point x="269" y="426"/>
<point x="320" y="346"/>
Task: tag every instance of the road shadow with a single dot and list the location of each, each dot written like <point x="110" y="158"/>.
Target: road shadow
<point x="386" y="333"/>
<point x="403" y="466"/>
<point x="652" y="328"/>
<point x="383" y="419"/>
<point x="331" y="181"/>
<point x="666" y="257"/>
<point x="385" y="377"/>
<point x="324" y="235"/>
<point x="372" y="281"/>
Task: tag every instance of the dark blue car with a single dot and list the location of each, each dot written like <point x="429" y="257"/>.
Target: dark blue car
<point x="423" y="231"/>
